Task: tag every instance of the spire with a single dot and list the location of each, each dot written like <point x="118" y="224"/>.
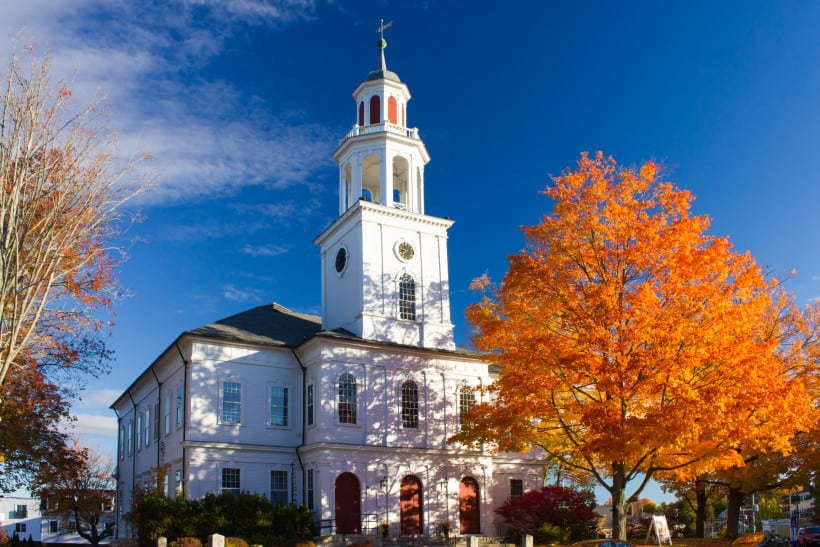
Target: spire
<point x="382" y="72"/>
<point x="383" y="42"/>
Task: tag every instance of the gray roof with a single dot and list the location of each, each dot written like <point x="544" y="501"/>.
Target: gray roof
<point x="276" y="325"/>
<point x="271" y="325"/>
<point x="382" y="74"/>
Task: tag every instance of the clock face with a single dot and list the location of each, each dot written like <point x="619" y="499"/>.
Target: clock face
<point x="341" y="259"/>
<point x="406" y="251"/>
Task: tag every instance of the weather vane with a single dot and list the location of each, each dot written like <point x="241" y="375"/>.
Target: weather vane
<point x="382" y="28"/>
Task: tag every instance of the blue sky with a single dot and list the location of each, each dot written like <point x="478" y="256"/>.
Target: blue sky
<point x="241" y="103"/>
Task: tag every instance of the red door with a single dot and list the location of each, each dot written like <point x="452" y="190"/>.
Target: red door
<point x="469" y="515"/>
<point x="348" y="501"/>
<point x="410" y="505"/>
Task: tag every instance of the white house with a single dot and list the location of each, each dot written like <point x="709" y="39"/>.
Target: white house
<point x="350" y="412"/>
<point x="21" y="515"/>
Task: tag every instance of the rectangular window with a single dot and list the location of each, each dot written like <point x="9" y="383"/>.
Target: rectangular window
<point x="122" y="442"/>
<point x="147" y="426"/>
<point x="278" y="406"/>
<point x="310" y="404"/>
<point x="21" y="512"/>
<point x="166" y="486"/>
<point x="156" y="421"/>
<point x="310" y="489"/>
<point x="180" y="407"/>
<point x="52" y="526"/>
<point x="230" y="480"/>
<point x="178" y="483"/>
<point x="139" y="430"/>
<point x="279" y="487"/>
<point x="231" y="402"/>
<point x="20" y="527"/>
<point x="130" y="438"/>
<point x="516" y="488"/>
<point x="167" y="414"/>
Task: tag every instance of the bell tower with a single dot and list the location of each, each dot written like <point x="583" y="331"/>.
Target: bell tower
<point x="384" y="262"/>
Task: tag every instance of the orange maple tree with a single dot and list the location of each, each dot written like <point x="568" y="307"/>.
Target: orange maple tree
<point x="629" y="340"/>
<point x="61" y="211"/>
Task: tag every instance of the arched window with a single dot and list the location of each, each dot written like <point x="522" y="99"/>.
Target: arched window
<point x="409" y="404"/>
<point x="361" y="113"/>
<point x="407" y="297"/>
<point x="392" y="110"/>
<point x="375" y="109"/>
<point x="347" y="399"/>
<point x="466" y="401"/>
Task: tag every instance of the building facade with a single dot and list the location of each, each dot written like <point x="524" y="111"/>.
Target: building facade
<point x="348" y="413"/>
<point x="21" y="516"/>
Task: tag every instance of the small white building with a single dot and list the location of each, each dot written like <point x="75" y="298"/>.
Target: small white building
<point x="21" y="515"/>
<point x="348" y="413"/>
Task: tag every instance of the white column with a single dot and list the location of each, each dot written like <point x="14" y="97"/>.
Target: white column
<point x="342" y="190"/>
<point x="386" y="179"/>
<point x="356" y="175"/>
<point x="420" y="183"/>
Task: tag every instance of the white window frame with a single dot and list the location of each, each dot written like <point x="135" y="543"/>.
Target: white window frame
<point x="180" y="400"/>
<point x="310" y="405"/>
<point x="400" y="300"/>
<point x="222" y="488"/>
<point x="167" y="413"/>
<point x="288" y="405"/>
<point x="138" y="432"/>
<point x="356" y="384"/>
<point x="178" y="480"/>
<point x="401" y="405"/>
<point x="461" y="413"/>
<point x="148" y="426"/>
<point x="310" y="488"/>
<point x="287" y="484"/>
<point x="221" y="409"/>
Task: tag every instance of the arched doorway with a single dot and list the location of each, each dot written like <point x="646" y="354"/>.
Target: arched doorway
<point x="469" y="515"/>
<point x="348" y="504"/>
<point x="410" y="503"/>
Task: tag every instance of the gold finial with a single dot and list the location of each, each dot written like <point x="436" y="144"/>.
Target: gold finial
<point x="382" y="28"/>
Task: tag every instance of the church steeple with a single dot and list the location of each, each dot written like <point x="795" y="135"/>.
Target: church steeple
<point x="384" y="262"/>
<point x="381" y="159"/>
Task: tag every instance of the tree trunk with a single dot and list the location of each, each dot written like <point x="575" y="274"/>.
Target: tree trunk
<point x="734" y="499"/>
<point x="700" y="508"/>
<point x="618" y="502"/>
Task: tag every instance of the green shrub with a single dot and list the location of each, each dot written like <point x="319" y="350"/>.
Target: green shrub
<point x="186" y="542"/>
<point x="550" y="534"/>
<point x="293" y="521"/>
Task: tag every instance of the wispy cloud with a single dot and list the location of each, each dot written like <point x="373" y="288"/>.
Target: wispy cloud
<point x="267" y="250"/>
<point x="231" y="292"/>
<point x="205" y="137"/>
<point x="95" y="397"/>
<point x="94" y="425"/>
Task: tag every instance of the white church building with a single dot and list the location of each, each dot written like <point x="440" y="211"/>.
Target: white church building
<point x="348" y="413"/>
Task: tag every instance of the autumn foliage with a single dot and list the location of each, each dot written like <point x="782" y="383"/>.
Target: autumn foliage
<point x="30" y="427"/>
<point x="79" y="489"/>
<point x="569" y="510"/>
<point x="632" y="342"/>
<point x="60" y="208"/>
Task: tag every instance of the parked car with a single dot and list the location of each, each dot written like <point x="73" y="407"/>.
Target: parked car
<point x="773" y="539"/>
<point x="810" y="535"/>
